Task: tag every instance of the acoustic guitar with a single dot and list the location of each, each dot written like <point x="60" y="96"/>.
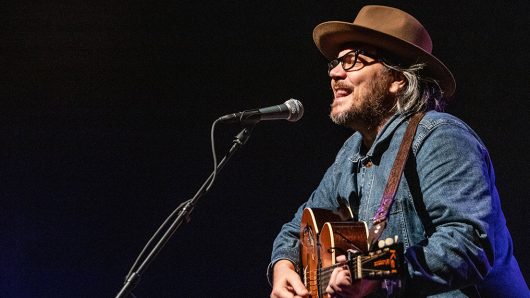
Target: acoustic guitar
<point x="325" y="234"/>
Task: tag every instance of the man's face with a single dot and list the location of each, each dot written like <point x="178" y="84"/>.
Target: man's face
<point x="361" y="97"/>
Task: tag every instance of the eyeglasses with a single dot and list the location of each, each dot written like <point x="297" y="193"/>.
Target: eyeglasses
<point x="349" y="61"/>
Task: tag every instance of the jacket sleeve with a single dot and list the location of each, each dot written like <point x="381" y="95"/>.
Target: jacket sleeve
<point x="457" y="184"/>
<point x="286" y="244"/>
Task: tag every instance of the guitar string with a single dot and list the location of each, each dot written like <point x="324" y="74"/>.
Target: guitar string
<point x="318" y="280"/>
<point x="325" y="273"/>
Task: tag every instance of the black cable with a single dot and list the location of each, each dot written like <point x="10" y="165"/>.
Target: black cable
<point x="180" y="208"/>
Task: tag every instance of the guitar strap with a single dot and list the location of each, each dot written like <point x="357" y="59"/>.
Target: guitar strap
<point x="381" y="215"/>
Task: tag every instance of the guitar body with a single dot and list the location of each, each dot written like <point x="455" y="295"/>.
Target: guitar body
<point x="319" y="244"/>
<point x="324" y="235"/>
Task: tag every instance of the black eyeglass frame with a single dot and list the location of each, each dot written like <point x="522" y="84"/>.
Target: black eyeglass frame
<point x="333" y="63"/>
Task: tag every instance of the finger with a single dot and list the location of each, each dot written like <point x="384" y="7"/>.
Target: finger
<point x="341" y="259"/>
<point x="340" y="282"/>
<point x="282" y="293"/>
<point x="330" y="289"/>
<point x="298" y="287"/>
<point x="343" y="278"/>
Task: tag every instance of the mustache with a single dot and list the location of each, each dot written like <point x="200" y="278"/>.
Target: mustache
<point x="340" y="85"/>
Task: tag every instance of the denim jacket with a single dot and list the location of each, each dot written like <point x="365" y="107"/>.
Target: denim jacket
<point x="446" y="211"/>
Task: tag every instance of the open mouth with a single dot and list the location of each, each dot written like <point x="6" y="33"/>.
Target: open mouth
<point x="339" y="92"/>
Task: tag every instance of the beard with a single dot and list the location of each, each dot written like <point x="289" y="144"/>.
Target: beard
<point x="375" y="105"/>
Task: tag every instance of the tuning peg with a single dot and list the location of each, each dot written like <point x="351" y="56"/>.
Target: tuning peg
<point x="389" y="241"/>
<point x="386" y="242"/>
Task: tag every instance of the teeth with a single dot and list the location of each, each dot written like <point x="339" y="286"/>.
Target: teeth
<point x="342" y="92"/>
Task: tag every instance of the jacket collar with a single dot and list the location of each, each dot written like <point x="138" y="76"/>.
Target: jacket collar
<point x="383" y="136"/>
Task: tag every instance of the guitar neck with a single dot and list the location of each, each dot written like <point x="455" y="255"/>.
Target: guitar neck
<point x="385" y="263"/>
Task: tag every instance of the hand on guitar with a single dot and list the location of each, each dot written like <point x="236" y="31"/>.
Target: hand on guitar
<point x="286" y="282"/>
<point x="341" y="285"/>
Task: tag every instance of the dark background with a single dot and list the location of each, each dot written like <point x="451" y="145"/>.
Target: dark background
<point x="106" y="113"/>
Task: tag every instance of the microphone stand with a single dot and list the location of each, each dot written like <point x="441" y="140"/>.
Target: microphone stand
<point x="184" y="214"/>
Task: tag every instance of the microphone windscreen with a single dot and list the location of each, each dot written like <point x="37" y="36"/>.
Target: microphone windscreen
<point x="296" y="109"/>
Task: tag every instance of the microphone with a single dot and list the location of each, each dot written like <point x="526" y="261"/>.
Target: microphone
<point x="291" y="110"/>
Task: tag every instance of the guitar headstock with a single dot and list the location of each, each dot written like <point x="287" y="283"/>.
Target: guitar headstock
<point x="383" y="263"/>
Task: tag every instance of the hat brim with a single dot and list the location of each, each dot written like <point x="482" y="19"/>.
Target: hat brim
<point x="330" y="37"/>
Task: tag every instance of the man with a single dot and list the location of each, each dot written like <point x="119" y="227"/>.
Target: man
<point x="446" y="211"/>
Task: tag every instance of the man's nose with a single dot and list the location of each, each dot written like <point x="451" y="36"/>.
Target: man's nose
<point x="337" y="72"/>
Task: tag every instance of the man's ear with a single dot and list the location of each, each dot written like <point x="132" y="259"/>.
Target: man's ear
<point x="398" y="84"/>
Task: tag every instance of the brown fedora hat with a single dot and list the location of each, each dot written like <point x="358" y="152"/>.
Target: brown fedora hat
<point x="391" y="30"/>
